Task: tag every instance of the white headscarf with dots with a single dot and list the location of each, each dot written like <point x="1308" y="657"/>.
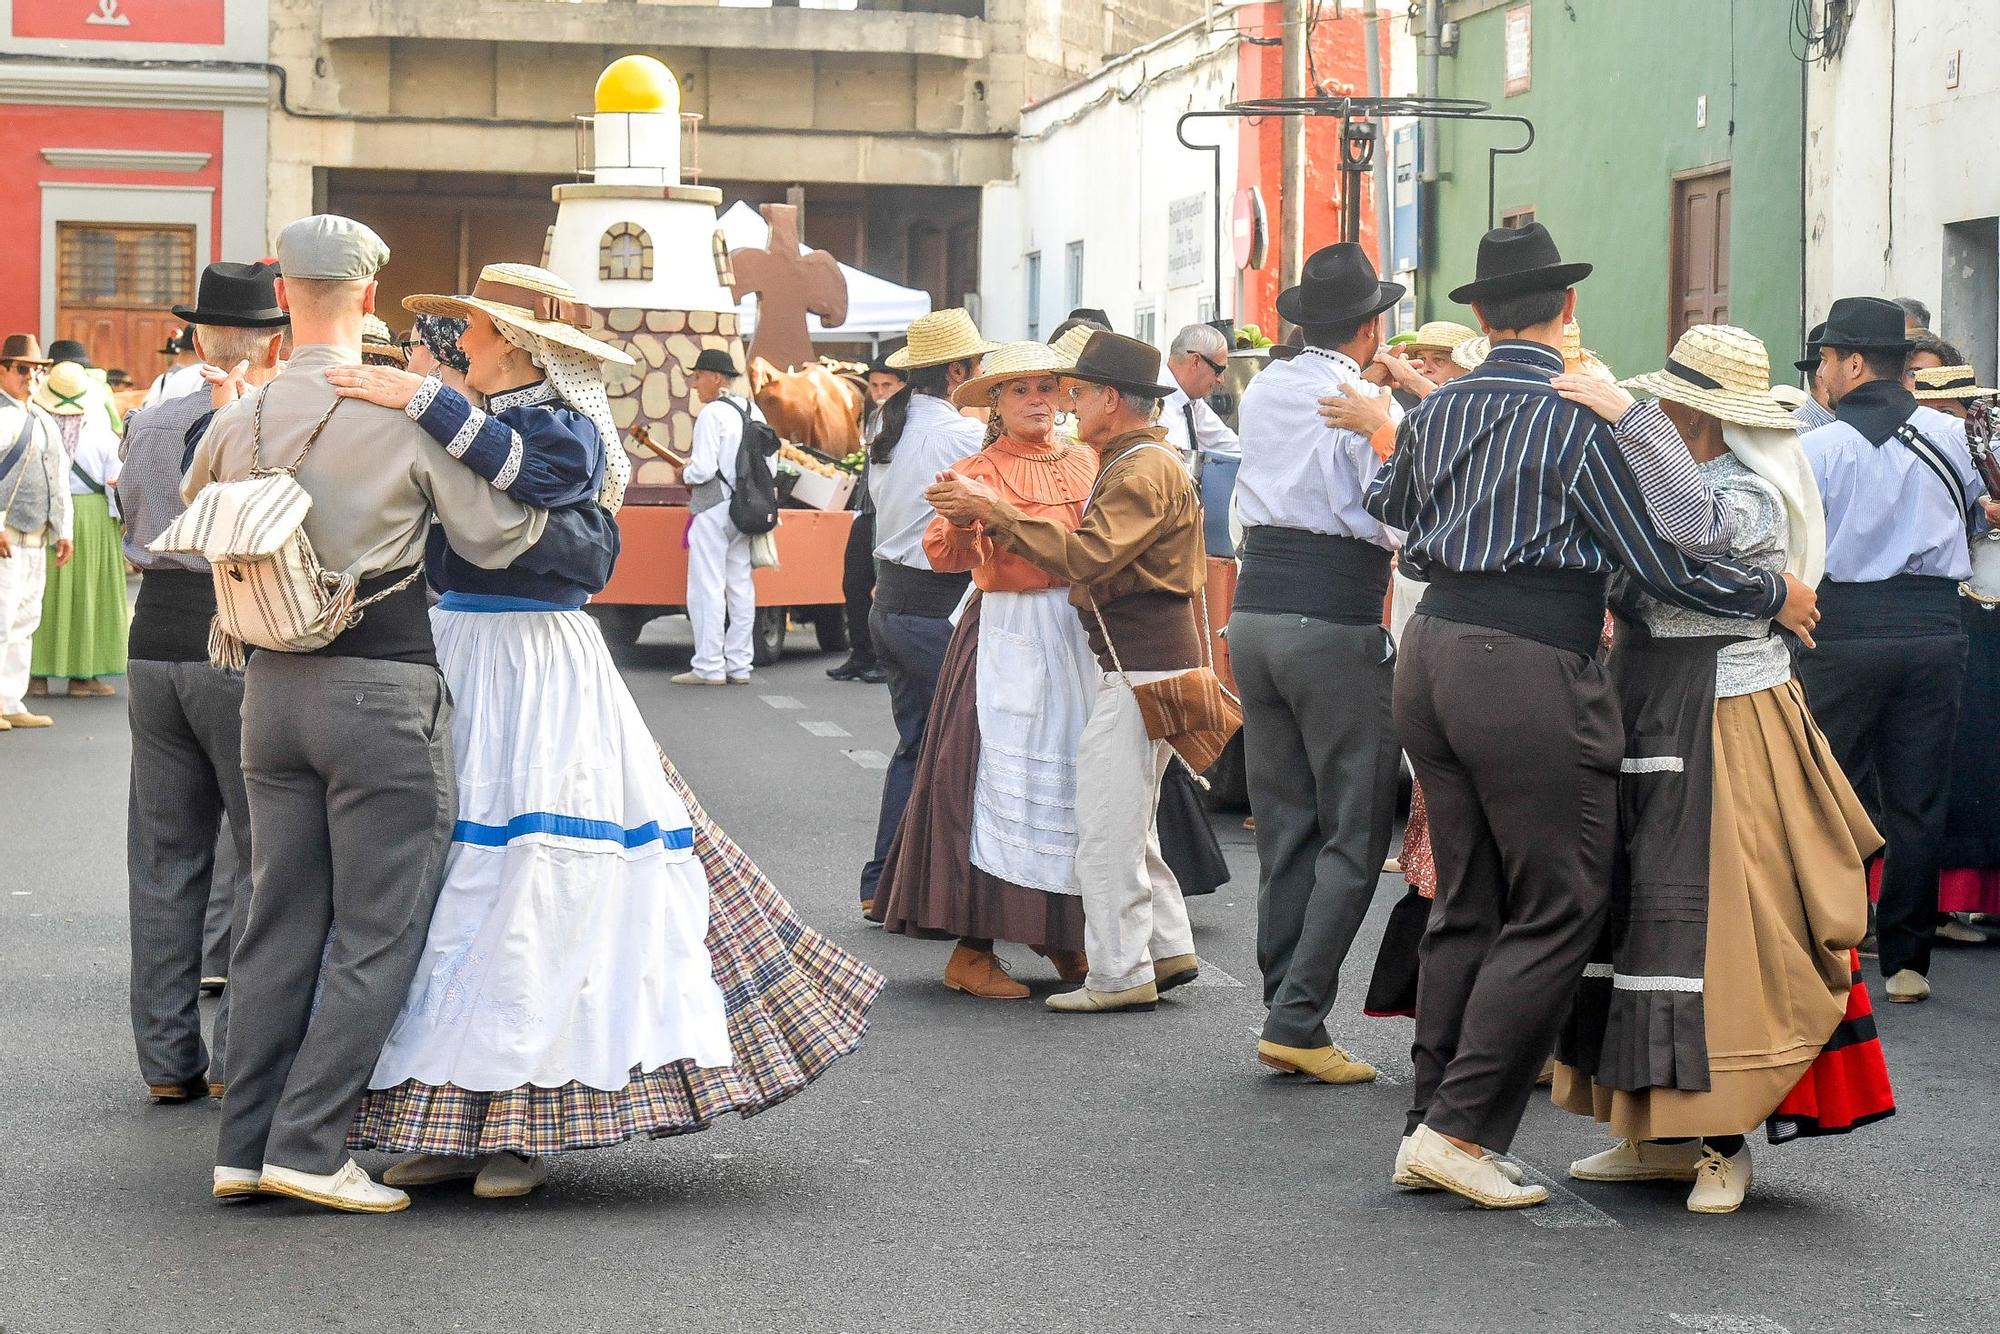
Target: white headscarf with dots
<point x="578" y="378"/>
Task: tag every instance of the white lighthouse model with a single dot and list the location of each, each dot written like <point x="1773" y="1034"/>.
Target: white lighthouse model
<point x="645" y="251"/>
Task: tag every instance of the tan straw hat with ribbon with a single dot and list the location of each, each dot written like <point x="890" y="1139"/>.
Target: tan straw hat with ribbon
<point x="1439" y="336"/>
<point x="1942" y="382"/>
<point x="1070" y="346"/>
<point x="1011" y="361"/>
<point x="64" y="392"/>
<point x="1723" y="371"/>
<point x="938" y="339"/>
<point x="529" y="299"/>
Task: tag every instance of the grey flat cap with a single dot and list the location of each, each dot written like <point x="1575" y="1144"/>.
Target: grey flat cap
<point x="329" y="246"/>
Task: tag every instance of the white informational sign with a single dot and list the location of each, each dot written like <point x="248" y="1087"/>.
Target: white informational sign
<point x="1187" y="241"/>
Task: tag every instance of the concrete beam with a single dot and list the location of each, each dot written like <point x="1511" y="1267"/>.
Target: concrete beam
<point x="625" y="26"/>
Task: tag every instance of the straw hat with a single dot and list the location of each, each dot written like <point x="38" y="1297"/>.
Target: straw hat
<point x="377" y="341"/>
<point x="63" y="393"/>
<point x="1943" y="382"/>
<point x="1070" y="346"/>
<point x="1790" y="395"/>
<point x="528" y="299"/>
<point x="1438" y="336"/>
<point x="1723" y="371"/>
<point x="1010" y="361"/>
<point x="1470" y="353"/>
<point x="938" y="339"/>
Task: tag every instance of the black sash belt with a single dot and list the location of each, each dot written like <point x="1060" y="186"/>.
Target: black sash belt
<point x="396" y="629"/>
<point x="906" y="590"/>
<point x="1561" y="608"/>
<point x="1909" y="606"/>
<point x="1291" y="572"/>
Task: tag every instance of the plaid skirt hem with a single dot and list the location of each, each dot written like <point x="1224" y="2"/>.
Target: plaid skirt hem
<point x="796" y="1003"/>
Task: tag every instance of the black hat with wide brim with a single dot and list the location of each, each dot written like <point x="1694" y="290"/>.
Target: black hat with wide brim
<point x="1810" y="361"/>
<point x="236" y="296"/>
<point x="1515" y="260"/>
<point x="1337" y="286"/>
<point x="717" y="360"/>
<point x="1125" y="364"/>
<point x="1866" y="324"/>
<point x="68" y="349"/>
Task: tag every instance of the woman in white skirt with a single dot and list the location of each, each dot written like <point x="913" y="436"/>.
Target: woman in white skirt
<point x="603" y="964"/>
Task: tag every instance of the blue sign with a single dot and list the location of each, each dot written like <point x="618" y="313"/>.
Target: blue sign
<point x="1405" y="224"/>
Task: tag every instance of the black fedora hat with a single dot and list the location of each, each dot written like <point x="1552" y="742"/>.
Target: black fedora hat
<point x="1810" y="361"/>
<point x="1513" y="260"/>
<point x="717" y="360"/>
<point x="1125" y="364"/>
<point x="236" y="296"/>
<point x="1865" y="324"/>
<point x="1337" y="286"/>
<point x="69" y="349"/>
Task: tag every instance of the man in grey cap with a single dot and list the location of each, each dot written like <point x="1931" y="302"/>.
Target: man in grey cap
<point x="347" y="750"/>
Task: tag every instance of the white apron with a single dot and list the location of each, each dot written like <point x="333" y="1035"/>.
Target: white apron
<point x="1036" y="680"/>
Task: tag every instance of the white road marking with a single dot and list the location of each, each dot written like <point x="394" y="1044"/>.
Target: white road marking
<point x="824" y="729"/>
<point x="782" y="701"/>
<point x="1566" y="1208"/>
<point x="868" y="759"/>
<point x="22" y="893"/>
<point x="1729" y="1324"/>
<point x="1211" y="976"/>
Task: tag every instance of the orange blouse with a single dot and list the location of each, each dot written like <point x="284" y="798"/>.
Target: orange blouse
<point x="1050" y="481"/>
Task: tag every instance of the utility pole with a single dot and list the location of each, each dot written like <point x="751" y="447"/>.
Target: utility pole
<point x="1292" y="162"/>
<point x="1372" y="22"/>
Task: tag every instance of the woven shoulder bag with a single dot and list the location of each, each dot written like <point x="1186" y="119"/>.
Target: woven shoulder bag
<point x="271" y="591"/>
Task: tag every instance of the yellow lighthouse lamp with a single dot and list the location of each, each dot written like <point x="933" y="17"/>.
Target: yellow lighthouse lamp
<point x="638" y="84"/>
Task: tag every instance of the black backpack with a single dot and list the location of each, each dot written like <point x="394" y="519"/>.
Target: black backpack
<point x="753" y="500"/>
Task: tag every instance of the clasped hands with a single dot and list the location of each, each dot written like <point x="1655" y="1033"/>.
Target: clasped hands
<point x="963" y="501"/>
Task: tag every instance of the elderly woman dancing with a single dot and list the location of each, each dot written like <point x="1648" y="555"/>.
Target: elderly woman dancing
<point x="987" y="848"/>
<point x="1726" y="992"/>
<point x="603" y="963"/>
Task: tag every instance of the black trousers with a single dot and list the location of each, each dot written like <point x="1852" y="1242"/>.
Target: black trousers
<point x="857" y="587"/>
<point x="1517" y="746"/>
<point x="1889" y="708"/>
<point x="911" y="651"/>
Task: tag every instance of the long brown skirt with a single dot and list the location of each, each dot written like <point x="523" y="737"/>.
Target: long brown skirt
<point x="930" y="888"/>
<point x="1787" y="901"/>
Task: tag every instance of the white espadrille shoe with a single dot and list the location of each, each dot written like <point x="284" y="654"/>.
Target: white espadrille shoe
<point x="1639" y="1160"/>
<point x="349" y="1190"/>
<point x="1721" y="1183"/>
<point x="508" y="1175"/>
<point x="1409" y="1180"/>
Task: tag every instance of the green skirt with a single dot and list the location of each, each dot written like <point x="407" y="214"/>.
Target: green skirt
<point x="84" y="615"/>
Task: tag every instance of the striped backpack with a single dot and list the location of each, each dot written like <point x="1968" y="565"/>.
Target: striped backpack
<point x="271" y="592"/>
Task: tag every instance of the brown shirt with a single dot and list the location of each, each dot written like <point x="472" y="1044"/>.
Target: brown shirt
<point x="1138" y="553"/>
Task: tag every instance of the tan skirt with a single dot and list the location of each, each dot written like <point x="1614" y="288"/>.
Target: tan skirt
<point x="1787" y="900"/>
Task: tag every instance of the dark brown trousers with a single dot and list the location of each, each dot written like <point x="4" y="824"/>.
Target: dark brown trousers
<point x="1517" y="745"/>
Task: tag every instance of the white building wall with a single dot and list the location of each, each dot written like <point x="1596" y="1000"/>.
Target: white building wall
<point x="1899" y="197"/>
<point x="1099" y="163"/>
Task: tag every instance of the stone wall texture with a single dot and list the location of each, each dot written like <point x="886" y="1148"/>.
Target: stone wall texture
<point x="655" y="393"/>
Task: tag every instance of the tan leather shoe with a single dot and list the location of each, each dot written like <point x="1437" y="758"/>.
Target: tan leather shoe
<point x="1329" y="1064"/>
<point x="38" y="688"/>
<point x="432" y="1169"/>
<point x="1443" y="1164"/>
<point x="1409" y="1180"/>
<point x="1176" y="970"/>
<point x="1085" y="1001"/>
<point x="1072" y="966"/>
<point x="1637" y="1160"/>
<point x="216" y="1089"/>
<point x="509" y="1175"/>
<point x="6" y="726"/>
<point x="186" y="1091"/>
<point x="91" y="689"/>
<point x="26" y="719"/>
<point x="697" y="679"/>
<point x="980" y="973"/>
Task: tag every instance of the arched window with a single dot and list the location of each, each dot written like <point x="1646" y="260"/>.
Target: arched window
<point x="625" y="251"/>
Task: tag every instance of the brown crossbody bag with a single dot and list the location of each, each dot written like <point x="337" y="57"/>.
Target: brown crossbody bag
<point x="1193" y="711"/>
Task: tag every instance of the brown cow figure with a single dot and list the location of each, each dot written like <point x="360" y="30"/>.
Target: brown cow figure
<point x="813" y="405"/>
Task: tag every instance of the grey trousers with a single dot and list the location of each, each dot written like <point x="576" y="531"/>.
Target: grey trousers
<point x="232" y="873"/>
<point x="349" y="768"/>
<point x="1321" y="759"/>
<point x="187" y="776"/>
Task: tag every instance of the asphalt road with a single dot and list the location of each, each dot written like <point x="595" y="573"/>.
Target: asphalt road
<point x="976" y="1166"/>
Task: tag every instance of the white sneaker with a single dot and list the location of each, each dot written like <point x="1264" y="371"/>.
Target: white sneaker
<point x="1443" y="1164"/>
<point x="508" y="1175"/>
<point x="431" y="1169"/>
<point x="1409" y="1180"/>
<point x="349" y="1190"/>
<point x="233" y="1183"/>
<point x="1908" y="985"/>
<point x="1637" y="1160"/>
<point x="1721" y="1183"/>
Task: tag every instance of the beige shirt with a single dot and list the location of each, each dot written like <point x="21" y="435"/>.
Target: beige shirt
<point x="375" y="476"/>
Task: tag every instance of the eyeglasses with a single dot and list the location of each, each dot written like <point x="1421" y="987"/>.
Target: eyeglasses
<point x="1219" y="367"/>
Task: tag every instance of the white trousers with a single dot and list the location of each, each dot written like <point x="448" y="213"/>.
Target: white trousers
<point x="721" y="600"/>
<point x="22" y="576"/>
<point x="1133" y="912"/>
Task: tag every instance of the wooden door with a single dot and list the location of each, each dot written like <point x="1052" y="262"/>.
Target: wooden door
<point x="113" y="289"/>
<point x="1698" y="286"/>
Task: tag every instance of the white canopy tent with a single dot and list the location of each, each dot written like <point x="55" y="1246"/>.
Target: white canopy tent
<point x="876" y="308"/>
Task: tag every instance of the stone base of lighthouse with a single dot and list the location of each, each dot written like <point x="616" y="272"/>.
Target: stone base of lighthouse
<point x="655" y="393"/>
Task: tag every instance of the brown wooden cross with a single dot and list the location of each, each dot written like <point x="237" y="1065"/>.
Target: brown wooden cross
<point x="789" y="281"/>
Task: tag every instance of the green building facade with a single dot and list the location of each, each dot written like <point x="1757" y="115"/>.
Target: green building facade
<point x="1667" y="152"/>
